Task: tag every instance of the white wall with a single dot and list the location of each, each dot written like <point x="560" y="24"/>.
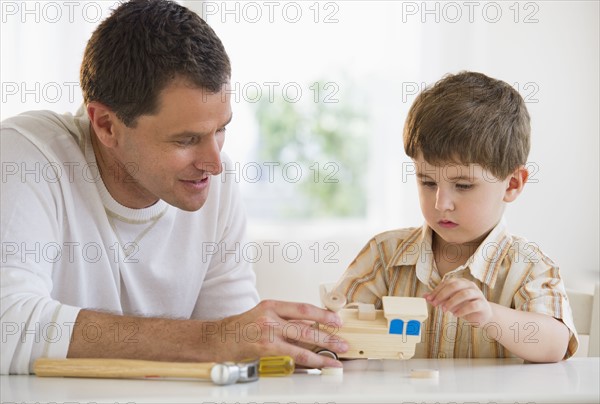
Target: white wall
<point x="547" y="49"/>
<point x="385" y="46"/>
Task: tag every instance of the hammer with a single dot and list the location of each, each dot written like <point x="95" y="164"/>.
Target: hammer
<point x="219" y="373"/>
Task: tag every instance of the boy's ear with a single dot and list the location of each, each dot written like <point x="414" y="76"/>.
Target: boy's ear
<point x="103" y="121"/>
<point x="516" y="182"/>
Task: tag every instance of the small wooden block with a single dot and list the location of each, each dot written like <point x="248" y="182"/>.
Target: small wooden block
<point x="424" y="373"/>
<point x="366" y="311"/>
<point x="332" y="371"/>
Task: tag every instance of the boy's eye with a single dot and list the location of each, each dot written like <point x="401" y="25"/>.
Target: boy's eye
<point x="429" y="184"/>
<point x="464" y="186"/>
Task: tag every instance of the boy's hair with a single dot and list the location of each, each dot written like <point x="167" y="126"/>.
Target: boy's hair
<point x="469" y="118"/>
<point x="145" y="44"/>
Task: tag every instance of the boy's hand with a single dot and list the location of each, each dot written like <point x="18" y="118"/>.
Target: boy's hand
<point x="462" y="298"/>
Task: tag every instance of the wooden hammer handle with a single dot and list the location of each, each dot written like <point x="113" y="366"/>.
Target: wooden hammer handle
<point x="120" y="368"/>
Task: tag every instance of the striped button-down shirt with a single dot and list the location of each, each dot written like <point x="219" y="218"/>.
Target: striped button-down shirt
<point x="509" y="271"/>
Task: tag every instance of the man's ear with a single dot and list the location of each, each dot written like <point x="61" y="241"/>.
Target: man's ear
<point x="103" y="121"/>
<point x="516" y="182"/>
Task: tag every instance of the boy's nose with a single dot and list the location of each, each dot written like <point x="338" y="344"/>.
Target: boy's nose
<point x="443" y="201"/>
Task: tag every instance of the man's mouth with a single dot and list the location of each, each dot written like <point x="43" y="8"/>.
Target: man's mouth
<point x="199" y="184"/>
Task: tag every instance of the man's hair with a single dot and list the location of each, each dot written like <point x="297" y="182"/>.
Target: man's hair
<point x="469" y="118"/>
<point x="145" y="44"/>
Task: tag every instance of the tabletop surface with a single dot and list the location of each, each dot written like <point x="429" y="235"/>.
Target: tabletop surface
<point x="460" y="380"/>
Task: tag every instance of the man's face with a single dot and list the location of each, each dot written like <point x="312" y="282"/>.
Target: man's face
<point x="173" y="154"/>
<point x="461" y="203"/>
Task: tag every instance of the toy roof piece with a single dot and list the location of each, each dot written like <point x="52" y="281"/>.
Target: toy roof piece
<point x="413" y="308"/>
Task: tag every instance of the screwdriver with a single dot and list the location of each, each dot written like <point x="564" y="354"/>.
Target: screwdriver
<point x="274" y="366"/>
<point x="218" y="373"/>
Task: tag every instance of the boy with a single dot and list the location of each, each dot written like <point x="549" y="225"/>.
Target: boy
<point x="490" y="294"/>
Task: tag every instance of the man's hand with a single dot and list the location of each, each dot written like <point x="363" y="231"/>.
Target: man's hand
<point x="462" y="298"/>
<point x="279" y="328"/>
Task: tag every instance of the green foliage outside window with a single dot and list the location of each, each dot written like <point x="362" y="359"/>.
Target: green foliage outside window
<point x="328" y="139"/>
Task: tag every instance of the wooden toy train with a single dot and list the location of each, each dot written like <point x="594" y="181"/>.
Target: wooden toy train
<point x="391" y="333"/>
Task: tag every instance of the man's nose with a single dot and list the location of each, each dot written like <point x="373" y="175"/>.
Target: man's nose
<point x="209" y="157"/>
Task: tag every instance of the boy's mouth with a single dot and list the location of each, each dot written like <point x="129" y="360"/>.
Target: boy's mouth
<point x="447" y="224"/>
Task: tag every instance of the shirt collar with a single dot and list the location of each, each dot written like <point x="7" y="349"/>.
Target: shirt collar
<point x="484" y="265"/>
<point x="416" y="250"/>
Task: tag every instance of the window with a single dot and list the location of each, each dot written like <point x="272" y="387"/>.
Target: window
<point x="413" y="327"/>
<point x="316" y="115"/>
<point x="397" y="327"/>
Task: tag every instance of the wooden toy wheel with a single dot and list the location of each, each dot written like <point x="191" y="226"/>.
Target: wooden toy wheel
<point x="334" y="301"/>
<point x="327" y="352"/>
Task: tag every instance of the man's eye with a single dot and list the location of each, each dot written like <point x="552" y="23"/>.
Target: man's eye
<point x="187" y="141"/>
<point x="429" y="184"/>
<point x="464" y="186"/>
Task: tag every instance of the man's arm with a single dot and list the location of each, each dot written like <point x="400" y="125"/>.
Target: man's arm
<point x="271" y="328"/>
<point x="33" y="323"/>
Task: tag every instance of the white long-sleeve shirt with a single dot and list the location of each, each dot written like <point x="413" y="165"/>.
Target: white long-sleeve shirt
<point x="67" y="244"/>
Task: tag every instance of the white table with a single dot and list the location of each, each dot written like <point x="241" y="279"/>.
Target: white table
<point x="460" y="380"/>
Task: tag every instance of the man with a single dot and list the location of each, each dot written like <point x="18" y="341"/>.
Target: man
<point x="107" y="216"/>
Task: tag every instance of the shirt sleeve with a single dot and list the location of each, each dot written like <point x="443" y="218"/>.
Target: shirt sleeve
<point x="33" y="323"/>
<point x="229" y="287"/>
<point x="543" y="291"/>
<point x="365" y="279"/>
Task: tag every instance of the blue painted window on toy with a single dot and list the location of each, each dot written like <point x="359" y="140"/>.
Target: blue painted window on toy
<point x="396" y="327"/>
<point x="413" y="327"/>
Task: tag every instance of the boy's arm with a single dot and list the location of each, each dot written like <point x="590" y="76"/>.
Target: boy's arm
<point x="547" y="343"/>
<point x="464" y="299"/>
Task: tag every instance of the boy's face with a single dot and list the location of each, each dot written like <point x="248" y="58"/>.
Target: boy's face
<point x="462" y="203"/>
